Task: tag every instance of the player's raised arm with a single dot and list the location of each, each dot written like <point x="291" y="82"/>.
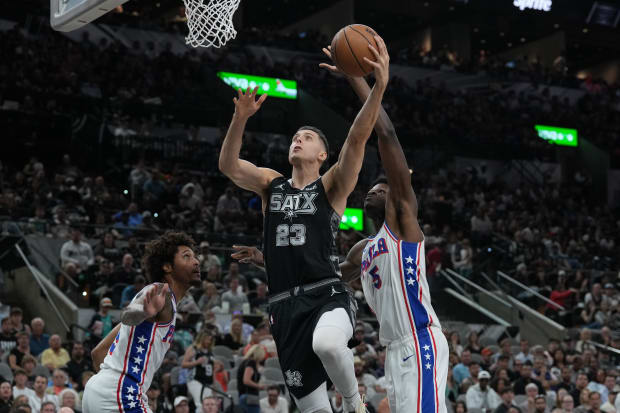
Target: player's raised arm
<point x="243" y="173"/>
<point x="146" y="305"/>
<point x="402" y="206"/>
<point x="101" y="349"/>
<point x="341" y="178"/>
<point x="351" y="267"/>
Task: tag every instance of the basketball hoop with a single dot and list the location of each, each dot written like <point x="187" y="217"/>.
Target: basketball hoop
<point x="210" y="22"/>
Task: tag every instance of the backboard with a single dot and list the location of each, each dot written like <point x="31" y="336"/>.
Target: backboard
<point x="68" y="15"/>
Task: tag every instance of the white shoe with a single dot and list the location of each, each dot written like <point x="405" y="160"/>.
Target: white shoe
<point x="361" y="408"/>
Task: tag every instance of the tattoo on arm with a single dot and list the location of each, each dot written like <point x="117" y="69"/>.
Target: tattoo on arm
<point x="133" y="316"/>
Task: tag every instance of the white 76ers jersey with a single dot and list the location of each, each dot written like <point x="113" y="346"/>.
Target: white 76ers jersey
<point x="135" y="355"/>
<point x="395" y="286"/>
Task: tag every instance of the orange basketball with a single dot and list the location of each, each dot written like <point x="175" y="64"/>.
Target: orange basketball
<point x="350" y="46"/>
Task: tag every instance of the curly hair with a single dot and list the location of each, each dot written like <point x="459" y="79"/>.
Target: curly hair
<point x="161" y="251"/>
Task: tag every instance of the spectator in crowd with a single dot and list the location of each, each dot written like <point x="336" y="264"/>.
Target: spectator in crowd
<point x="21" y="379"/>
<point x="48" y="407"/>
<point x="455" y="343"/>
<point x="129" y="217"/>
<point x="28" y="364"/>
<point x="525" y="379"/>
<point x="364" y="350"/>
<point x="40" y="396"/>
<point x="199" y="359"/>
<point x="22" y="349"/>
<point x="540" y="404"/>
<point x="580" y="383"/>
<point x="68" y="398"/>
<point x="126" y="273"/>
<point x="363" y="377"/>
<point x="248" y="378"/>
<point x="154" y="397"/>
<point x="6" y="396"/>
<point x="529" y="404"/>
<point x="8" y="341"/>
<point x="507" y="395"/>
<point x="473" y="343"/>
<point x="209" y="263"/>
<point x="16" y="317"/>
<point x="55" y="356"/>
<point x="273" y="403"/>
<point x="181" y="404"/>
<point x="228" y="211"/>
<point x="107" y="248"/>
<point x="77" y="252"/>
<point x="78" y="363"/>
<point x="234" y="297"/>
<point x="59" y="382"/>
<point x="461" y="370"/>
<point x="595" y="402"/>
<point x="568" y="405"/>
<point x="210" y="298"/>
<point x="460" y="407"/>
<point x="524" y="354"/>
<point x="255" y="339"/>
<point x="131" y="290"/>
<point x="610" y="405"/>
<point x="480" y="395"/>
<point x="102" y="322"/>
<point x="260" y="300"/>
<point x="234" y="338"/>
<point x="210" y="405"/>
<point x="39" y="340"/>
<point x="598" y="384"/>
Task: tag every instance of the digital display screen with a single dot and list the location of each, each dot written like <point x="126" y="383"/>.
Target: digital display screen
<point x="280" y="88"/>
<point x="353" y="218"/>
<point x="558" y="136"/>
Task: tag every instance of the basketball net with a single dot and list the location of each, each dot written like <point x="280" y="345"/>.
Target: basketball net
<point x="210" y="22"/>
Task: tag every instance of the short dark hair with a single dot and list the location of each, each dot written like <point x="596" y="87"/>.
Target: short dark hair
<point x="381" y="179"/>
<point x="161" y="251"/>
<point x="47" y="403"/>
<point x="528" y="363"/>
<point x="321" y="135"/>
<point x="274" y="387"/>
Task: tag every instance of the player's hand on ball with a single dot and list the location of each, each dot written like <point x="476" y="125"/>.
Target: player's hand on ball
<point x="382" y="63"/>
<point x="155" y="300"/>
<point x="246" y="103"/>
<point x="332" y="68"/>
<point x="248" y="255"/>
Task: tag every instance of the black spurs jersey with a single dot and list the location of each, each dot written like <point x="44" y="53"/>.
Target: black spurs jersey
<point x="299" y="243"/>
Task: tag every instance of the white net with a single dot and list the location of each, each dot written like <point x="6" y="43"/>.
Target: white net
<point x="210" y="22"/>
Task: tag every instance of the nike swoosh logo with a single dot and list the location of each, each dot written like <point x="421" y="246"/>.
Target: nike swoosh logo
<point x="407" y="358"/>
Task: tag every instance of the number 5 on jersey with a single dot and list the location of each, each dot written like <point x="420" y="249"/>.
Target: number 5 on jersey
<point x="284" y="235"/>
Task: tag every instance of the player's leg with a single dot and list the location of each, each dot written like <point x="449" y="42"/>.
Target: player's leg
<point x="329" y="341"/>
<point x="401" y="371"/>
<point x="315" y="402"/>
<point x="442" y="364"/>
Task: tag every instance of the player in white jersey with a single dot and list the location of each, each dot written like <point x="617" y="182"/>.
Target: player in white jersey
<point x="393" y="275"/>
<point x="133" y="351"/>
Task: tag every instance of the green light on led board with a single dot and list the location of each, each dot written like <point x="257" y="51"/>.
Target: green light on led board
<point x="353" y="218"/>
<point x="279" y="88"/>
<point x="558" y="136"/>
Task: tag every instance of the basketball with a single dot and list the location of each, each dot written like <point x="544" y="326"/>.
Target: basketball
<point x="350" y="46"/>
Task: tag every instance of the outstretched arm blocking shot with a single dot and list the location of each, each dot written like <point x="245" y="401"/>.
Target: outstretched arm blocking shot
<point x="341" y="179"/>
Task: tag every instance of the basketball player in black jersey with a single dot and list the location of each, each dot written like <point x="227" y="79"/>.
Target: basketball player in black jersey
<point x="312" y="312"/>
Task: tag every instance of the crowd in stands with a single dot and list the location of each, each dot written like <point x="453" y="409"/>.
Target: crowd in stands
<point x="553" y="238"/>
